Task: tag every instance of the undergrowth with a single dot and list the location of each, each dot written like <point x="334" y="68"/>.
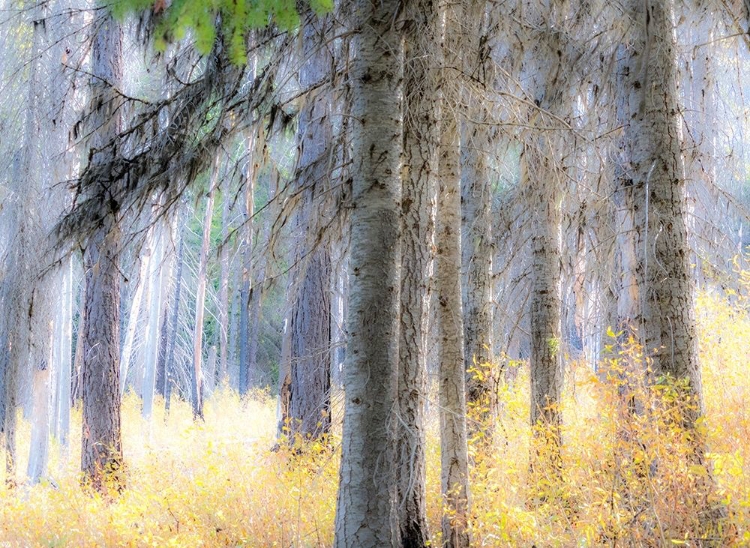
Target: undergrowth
<point x="629" y="473"/>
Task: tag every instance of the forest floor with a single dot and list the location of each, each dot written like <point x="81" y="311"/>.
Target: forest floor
<point x="625" y="480"/>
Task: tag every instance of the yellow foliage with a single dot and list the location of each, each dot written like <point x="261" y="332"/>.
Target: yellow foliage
<point x="628" y="477"/>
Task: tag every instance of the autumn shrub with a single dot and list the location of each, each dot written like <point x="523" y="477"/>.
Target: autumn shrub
<point x="628" y="474"/>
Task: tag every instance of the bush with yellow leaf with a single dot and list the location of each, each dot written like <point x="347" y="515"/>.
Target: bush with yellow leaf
<point x="628" y="476"/>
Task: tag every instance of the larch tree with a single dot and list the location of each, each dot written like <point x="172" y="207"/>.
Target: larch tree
<point x="101" y="453"/>
<point x="366" y="504"/>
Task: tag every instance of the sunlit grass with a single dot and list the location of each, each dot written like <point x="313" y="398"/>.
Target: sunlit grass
<point x="219" y="484"/>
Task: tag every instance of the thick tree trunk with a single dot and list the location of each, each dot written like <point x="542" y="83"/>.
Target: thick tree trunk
<point x="452" y="364"/>
<point x="421" y="142"/>
<point x="366" y="507"/>
<point x="665" y="316"/>
<point x="101" y="453"/>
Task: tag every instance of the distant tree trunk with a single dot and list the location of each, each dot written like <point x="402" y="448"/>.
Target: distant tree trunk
<point x="421" y="142"/>
<point x="101" y="454"/>
<point x="258" y="270"/>
<point x="154" y="315"/>
<point x="223" y="316"/>
<point x="161" y="363"/>
<point x="310" y="386"/>
<point x="247" y="272"/>
<point x="77" y="380"/>
<point x="169" y="366"/>
<point x="40" y="427"/>
<point x="65" y="322"/>
<point x="366" y="507"/>
<point x="200" y="300"/>
<point x="26" y="302"/>
<point x="135" y="311"/>
<point x="309" y="400"/>
<point x="232" y="361"/>
<point x="452" y="365"/>
<point x="476" y="205"/>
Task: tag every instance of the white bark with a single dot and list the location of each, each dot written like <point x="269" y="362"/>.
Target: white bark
<point x="40" y="426"/>
<point x="200" y="299"/>
<point x="64" y="356"/>
<point x="153" y="331"/>
<point x="135" y="310"/>
<point x="365" y="512"/>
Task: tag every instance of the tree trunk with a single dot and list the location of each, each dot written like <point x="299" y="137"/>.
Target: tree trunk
<point x="546" y="337"/>
<point x="545" y="161"/>
<point x="135" y="311"/>
<point x="476" y="204"/>
<point x="65" y="322"/>
<point x="169" y="366"/>
<point x="452" y="365"/>
<point x="309" y="401"/>
<point x="310" y="383"/>
<point x="200" y="301"/>
<point x="40" y="427"/>
<point x="421" y="142"/>
<point x="153" y="339"/>
<point x="247" y="272"/>
<point x="223" y="316"/>
<point x="366" y="507"/>
<point x="665" y="317"/>
<point x="101" y="454"/>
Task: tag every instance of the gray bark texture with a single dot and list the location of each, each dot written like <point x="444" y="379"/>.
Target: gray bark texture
<point x="545" y="159"/>
<point x="101" y="454"/>
<point x="366" y="507"/>
<point x="452" y="364"/>
<point x="310" y="319"/>
<point x="665" y="316"/>
<point x="310" y="384"/>
<point x="420" y="170"/>
<point x="477" y="136"/>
